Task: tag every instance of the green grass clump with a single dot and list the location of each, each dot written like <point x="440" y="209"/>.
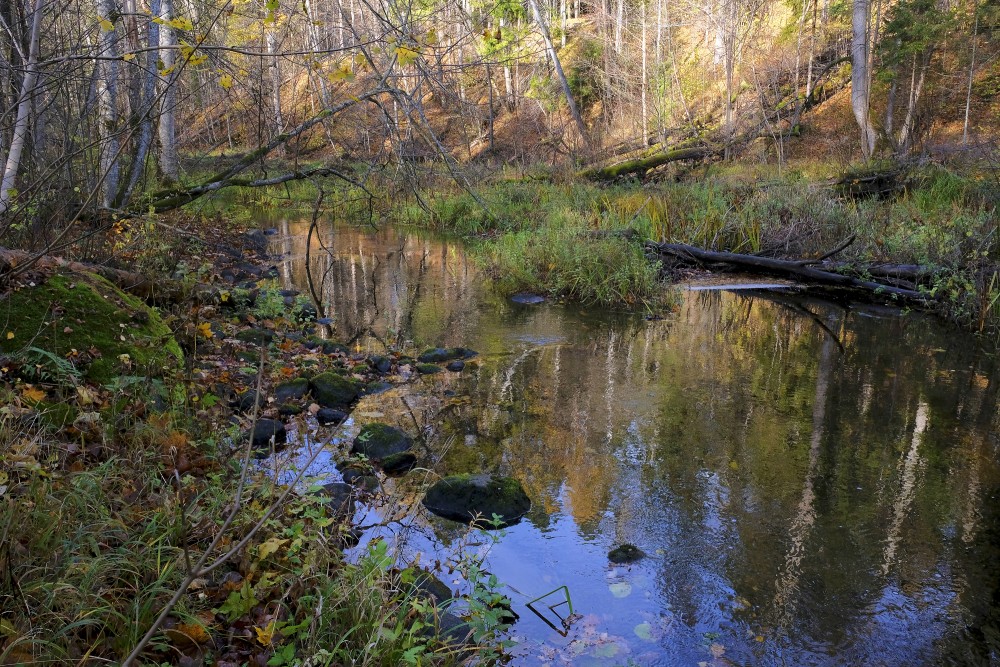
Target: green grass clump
<point x="565" y="262"/>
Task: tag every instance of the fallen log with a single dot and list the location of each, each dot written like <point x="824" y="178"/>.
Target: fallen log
<point x="146" y="288"/>
<point x="644" y="163"/>
<point x="804" y="269"/>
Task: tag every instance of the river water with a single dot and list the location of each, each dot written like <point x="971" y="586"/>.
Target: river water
<point x="813" y="484"/>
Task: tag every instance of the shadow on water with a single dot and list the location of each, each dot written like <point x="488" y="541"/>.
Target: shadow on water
<point x="812" y="483"/>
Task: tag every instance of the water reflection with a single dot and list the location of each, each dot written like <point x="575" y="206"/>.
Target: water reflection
<point x="813" y="485"/>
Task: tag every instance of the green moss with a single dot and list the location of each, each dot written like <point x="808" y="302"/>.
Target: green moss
<point x="85" y="312"/>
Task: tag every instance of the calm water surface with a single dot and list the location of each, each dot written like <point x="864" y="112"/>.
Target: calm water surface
<point x="813" y="484"/>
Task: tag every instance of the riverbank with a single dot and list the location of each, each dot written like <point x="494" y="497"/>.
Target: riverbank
<point x="144" y="498"/>
<point x="554" y="234"/>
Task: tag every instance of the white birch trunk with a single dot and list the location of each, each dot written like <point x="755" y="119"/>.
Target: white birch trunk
<point x="167" y="126"/>
<point x="21" y="121"/>
<point x="860" y="97"/>
<point x="574" y="112"/>
<point x="108" y="97"/>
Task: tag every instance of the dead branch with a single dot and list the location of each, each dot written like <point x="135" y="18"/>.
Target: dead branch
<point x="798" y="268"/>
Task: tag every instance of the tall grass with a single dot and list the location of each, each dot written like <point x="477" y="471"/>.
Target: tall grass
<point x="538" y="235"/>
<point x="91" y="552"/>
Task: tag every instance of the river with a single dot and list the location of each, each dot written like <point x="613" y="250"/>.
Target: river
<point x="812" y="483"/>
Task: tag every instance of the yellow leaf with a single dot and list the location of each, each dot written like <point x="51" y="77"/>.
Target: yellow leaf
<point x="180" y="24"/>
<point x="33" y="393"/>
<point x="106" y="25"/>
<point x="226" y="82"/>
<point x="265" y="635"/>
<point x="128" y="57"/>
<point x="205" y="330"/>
<point x="195" y="631"/>
<point x="10" y="335"/>
<point x="85" y="396"/>
<point x="269" y="547"/>
<point x="343" y="73"/>
<point x="406" y="55"/>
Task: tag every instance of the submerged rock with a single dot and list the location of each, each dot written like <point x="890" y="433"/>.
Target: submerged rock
<point x="428" y="369"/>
<point x="328" y="416"/>
<point x="331" y="390"/>
<point x="423" y="584"/>
<point x="379" y="441"/>
<point x="436" y="355"/>
<point x="477" y="498"/>
<point x="456" y="366"/>
<point x="399" y="464"/>
<point x="528" y="299"/>
<point x="626" y="553"/>
<point x="268" y="431"/>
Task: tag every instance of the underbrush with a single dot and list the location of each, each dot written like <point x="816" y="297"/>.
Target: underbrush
<point x="103" y="522"/>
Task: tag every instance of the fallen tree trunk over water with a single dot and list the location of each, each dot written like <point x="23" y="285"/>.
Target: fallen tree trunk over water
<point x="804" y="269"/>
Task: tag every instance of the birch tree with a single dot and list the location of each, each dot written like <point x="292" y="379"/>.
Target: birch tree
<point x="22" y="121"/>
<point x="861" y="74"/>
<point x="167" y="124"/>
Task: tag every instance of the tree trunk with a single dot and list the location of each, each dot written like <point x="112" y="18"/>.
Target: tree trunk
<point x="649" y="160"/>
<point x="574" y="112"/>
<point x="144" y="108"/>
<point x="916" y="88"/>
<point x="108" y="98"/>
<point x="645" y="76"/>
<point x="860" y="18"/>
<point x="271" y="45"/>
<point x="21" y="122"/>
<point x="972" y="71"/>
<point x="169" y="164"/>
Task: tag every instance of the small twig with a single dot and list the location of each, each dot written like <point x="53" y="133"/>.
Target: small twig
<point x="840" y="248"/>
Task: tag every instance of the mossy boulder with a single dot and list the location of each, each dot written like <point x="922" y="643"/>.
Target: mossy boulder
<point x="333" y="391"/>
<point x="329" y="347"/>
<point x="86" y="313"/>
<point x="428" y="369"/>
<point x="293" y="390"/>
<point x="477" y="498"/>
<point x="379" y="441"/>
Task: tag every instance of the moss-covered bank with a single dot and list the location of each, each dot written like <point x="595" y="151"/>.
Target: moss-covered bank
<point x="88" y="322"/>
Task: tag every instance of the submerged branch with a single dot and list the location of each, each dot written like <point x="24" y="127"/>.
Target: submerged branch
<point x="801" y="269"/>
